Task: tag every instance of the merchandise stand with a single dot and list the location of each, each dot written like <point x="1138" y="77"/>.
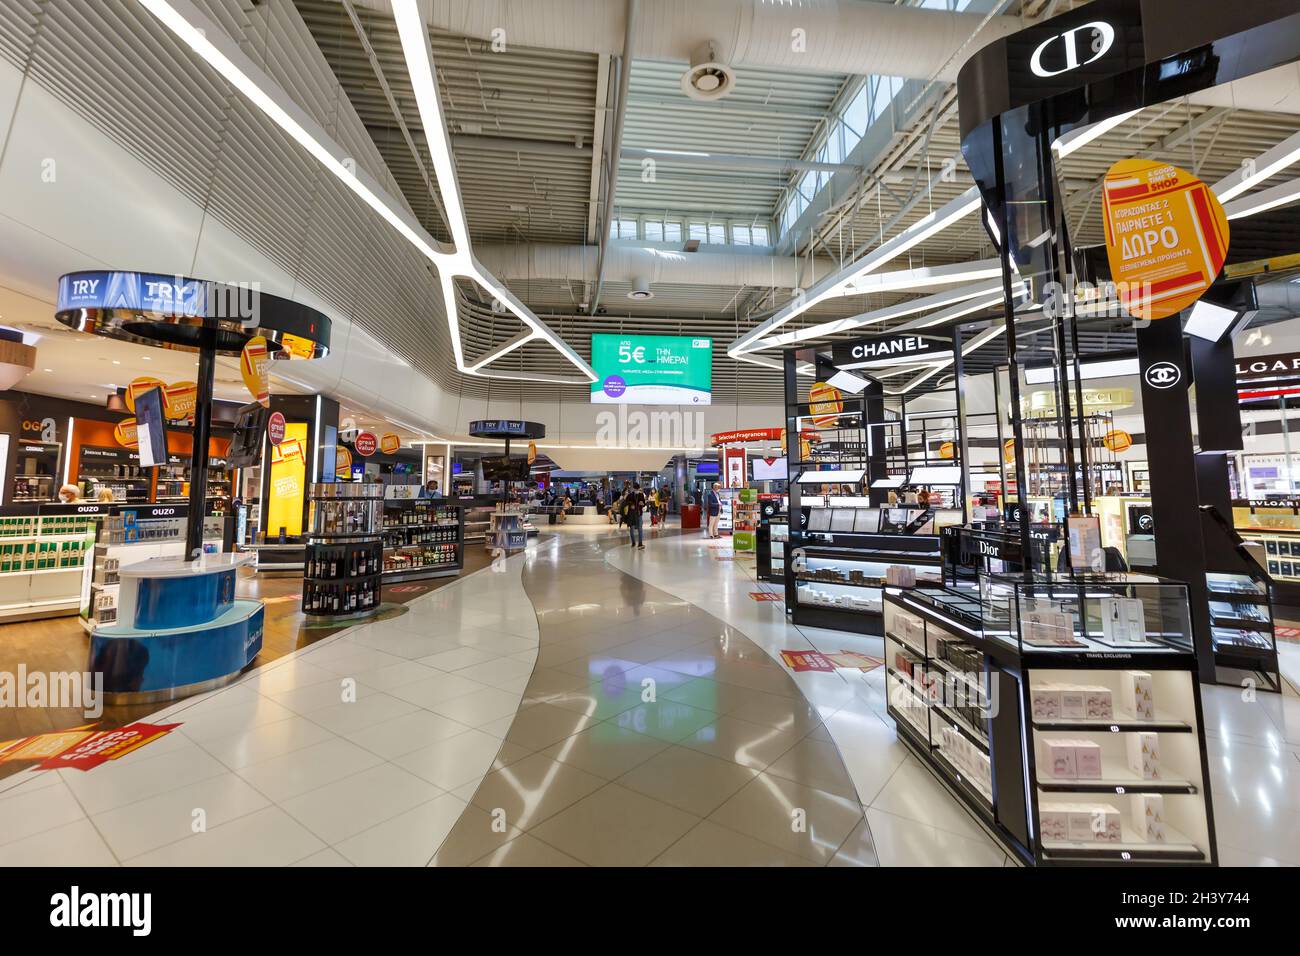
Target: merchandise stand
<point x="771" y="540"/>
<point x="422" y="537"/>
<point x="1072" y="741"/>
<point x="42" y="558"/>
<point x="179" y="628"/>
<point x="344" y="552"/>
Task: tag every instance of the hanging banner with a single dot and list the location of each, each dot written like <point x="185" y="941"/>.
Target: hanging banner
<point x="1009" y="450"/>
<point x="179" y="400"/>
<point x="1117" y="441"/>
<point x="342" y="462"/>
<point x="532" y="452"/>
<point x="389" y="444"/>
<point x="125" y="433"/>
<point x="365" y="444"/>
<point x="275" y="428"/>
<point x="139" y="386"/>
<point x="1166" y="236"/>
<point x="825" y="404"/>
<point x="254" y="369"/>
<point x="947" y="451"/>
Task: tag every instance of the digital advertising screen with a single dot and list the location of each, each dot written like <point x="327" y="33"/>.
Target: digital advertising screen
<point x="652" y="370"/>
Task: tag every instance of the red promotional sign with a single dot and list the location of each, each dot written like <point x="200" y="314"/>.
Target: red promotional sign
<point x="365" y="444"/>
<point x="275" y="428"/>
<point x="82" y="749"/>
<point x="745" y="435"/>
<point x="799" y="661"/>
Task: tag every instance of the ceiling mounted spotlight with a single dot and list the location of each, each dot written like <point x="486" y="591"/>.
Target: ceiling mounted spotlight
<point x="640" y="290"/>
<point x="707" y="78"/>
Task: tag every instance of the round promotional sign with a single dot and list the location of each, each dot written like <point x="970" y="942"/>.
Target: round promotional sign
<point x="947" y="451"/>
<point x="139" y="386"/>
<point x="1166" y="236"/>
<point x="825" y="404"/>
<point x="365" y="444"/>
<point x="179" y="400"/>
<point x="125" y="433"/>
<point x="389" y="444"/>
<point x="1009" y="450"/>
<point x="275" y="428"/>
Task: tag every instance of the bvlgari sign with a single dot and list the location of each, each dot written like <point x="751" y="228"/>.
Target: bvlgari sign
<point x="1284" y="365"/>
<point x="900" y="348"/>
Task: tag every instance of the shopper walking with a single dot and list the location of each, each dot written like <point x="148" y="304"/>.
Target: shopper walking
<point x="633" y="507"/>
<point x="713" y="508"/>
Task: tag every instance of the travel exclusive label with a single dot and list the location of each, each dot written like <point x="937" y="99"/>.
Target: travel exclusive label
<point x="652" y="370"/>
<point x="1166" y="236"/>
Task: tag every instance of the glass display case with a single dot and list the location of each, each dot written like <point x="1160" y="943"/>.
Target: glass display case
<point x="1086" y="613"/>
<point x="1065" y="714"/>
<point x="841" y="588"/>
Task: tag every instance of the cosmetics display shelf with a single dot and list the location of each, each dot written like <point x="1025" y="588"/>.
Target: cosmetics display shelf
<point x="841" y="587"/>
<point x="770" y="546"/>
<point x="1076" y="748"/>
<point x="344" y="553"/>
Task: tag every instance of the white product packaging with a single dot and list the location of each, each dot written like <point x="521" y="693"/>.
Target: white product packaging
<point x="1148" y="817"/>
<point x="900" y="577"/>
<point x="1094" y="823"/>
<point x="1138" y="695"/>
<point x="1087" y="759"/>
<point x="1054" y="822"/>
<point x="1100" y="704"/>
<point x="1057" y="759"/>
<point x="1144" y="754"/>
<point x="1045" y="702"/>
<point x="1074" y="701"/>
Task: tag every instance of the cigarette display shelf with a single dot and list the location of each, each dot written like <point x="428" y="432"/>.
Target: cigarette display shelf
<point x="344" y="552"/>
<point x="1095" y="753"/>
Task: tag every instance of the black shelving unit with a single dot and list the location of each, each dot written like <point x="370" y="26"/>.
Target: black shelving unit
<point x="344" y="552"/>
<point x="770" y="541"/>
<point x="422" y="538"/>
<point x="973" y="698"/>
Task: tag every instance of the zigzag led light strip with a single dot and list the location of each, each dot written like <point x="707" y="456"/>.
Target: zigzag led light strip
<point x="211" y="43"/>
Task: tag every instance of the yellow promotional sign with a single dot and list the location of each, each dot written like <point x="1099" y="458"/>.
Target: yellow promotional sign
<point x="1009" y="450"/>
<point x="179" y="399"/>
<point x="1166" y="236"/>
<point x="342" y="462"/>
<point x="389" y="444"/>
<point x="288" y="482"/>
<point x="139" y="386"/>
<point x="297" y="346"/>
<point x="124" y="432"/>
<point x="947" y="451"/>
<point x="825" y="404"/>
<point x="254" y="368"/>
<point x="1117" y="441"/>
<point x="532" y="452"/>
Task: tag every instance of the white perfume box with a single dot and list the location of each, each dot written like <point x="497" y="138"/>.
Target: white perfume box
<point x="1087" y="760"/>
<point x="1138" y="695"/>
<point x="1100" y="704"/>
<point x="1074" y="701"/>
<point x="1148" y="817"/>
<point x="1094" y="823"/>
<point x="1057" y="759"/>
<point x="1054" y="822"/>
<point x="1045" y="702"/>
<point x="1144" y="754"/>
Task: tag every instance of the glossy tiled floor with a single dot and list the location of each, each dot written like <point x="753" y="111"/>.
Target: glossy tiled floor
<point x="579" y="704"/>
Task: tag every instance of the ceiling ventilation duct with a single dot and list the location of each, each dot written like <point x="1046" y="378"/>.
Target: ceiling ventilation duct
<point x="640" y="290"/>
<point x="707" y="78"/>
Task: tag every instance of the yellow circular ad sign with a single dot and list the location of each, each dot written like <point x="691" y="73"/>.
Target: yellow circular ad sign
<point x="1166" y="236"/>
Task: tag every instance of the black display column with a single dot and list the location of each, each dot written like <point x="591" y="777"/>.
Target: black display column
<point x="199" y="456"/>
<point x="1171" y="457"/>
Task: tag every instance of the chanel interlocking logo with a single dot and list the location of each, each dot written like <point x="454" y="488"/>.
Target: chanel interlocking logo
<point x="1163" y="375"/>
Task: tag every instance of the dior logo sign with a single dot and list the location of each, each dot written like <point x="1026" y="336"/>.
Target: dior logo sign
<point x="1163" y="375"/>
<point x="1077" y="47"/>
